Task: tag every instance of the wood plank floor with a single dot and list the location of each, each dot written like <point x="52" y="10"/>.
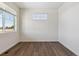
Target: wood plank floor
<point x="38" y="49"/>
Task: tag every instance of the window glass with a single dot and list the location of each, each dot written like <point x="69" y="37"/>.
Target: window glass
<point x="40" y="16"/>
<point x="9" y="22"/>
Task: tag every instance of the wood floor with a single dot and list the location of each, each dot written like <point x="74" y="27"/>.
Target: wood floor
<point x="38" y="49"/>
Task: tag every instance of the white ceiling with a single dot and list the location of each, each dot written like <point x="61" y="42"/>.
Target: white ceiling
<point x="39" y="4"/>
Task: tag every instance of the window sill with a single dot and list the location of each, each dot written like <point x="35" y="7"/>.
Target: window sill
<point x="8" y="32"/>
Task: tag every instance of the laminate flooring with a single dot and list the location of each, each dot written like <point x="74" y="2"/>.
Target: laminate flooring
<point x="38" y="49"/>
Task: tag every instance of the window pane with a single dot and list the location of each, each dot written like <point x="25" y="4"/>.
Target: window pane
<point x="9" y="22"/>
<point x="40" y="16"/>
<point x="1" y="21"/>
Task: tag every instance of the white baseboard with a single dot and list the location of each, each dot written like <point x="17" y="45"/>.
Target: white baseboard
<point x="1" y="52"/>
<point x="67" y="47"/>
<point x="38" y="41"/>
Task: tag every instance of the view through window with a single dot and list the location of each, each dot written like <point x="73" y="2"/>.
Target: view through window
<point x="7" y="21"/>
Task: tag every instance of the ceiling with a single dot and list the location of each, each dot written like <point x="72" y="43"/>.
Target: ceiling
<point x="38" y="4"/>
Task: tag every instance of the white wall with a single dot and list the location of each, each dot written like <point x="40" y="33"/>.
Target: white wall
<point x="69" y="26"/>
<point x="39" y="30"/>
<point x="9" y="39"/>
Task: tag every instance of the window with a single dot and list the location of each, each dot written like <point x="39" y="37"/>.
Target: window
<point x="40" y="16"/>
<point x="7" y="21"/>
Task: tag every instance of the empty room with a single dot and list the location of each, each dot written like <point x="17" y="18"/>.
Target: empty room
<point x="39" y="28"/>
